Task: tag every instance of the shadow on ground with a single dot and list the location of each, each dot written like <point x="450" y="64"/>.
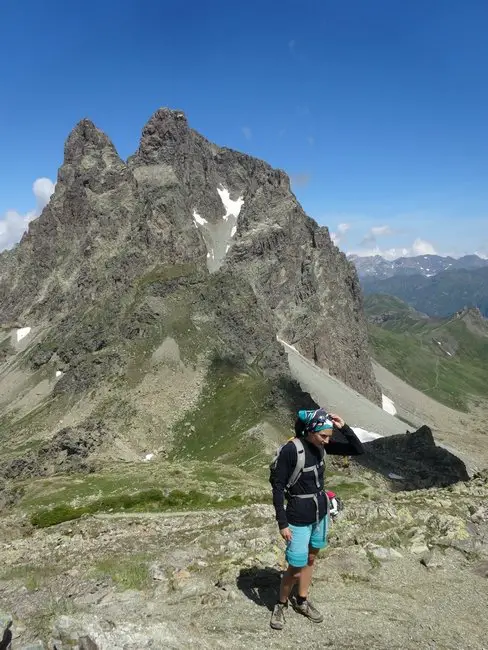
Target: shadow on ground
<point x="5" y="642"/>
<point x="261" y="585"/>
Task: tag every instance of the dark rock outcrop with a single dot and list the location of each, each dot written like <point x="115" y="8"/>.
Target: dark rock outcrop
<point x="67" y="452"/>
<point x="414" y="460"/>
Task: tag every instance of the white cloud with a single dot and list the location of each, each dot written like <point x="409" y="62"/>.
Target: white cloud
<point x="12" y="227"/>
<point x="43" y="189"/>
<point x="291" y="45"/>
<point x="394" y="253"/>
<point x="381" y="231"/>
<point x="419" y="247"/>
<point x="13" y="224"/>
<point x="387" y="253"/>
<point x="369" y="245"/>
<point x="342" y="229"/>
<point x="311" y="140"/>
<point x="422" y="247"/>
<point x="369" y="240"/>
<point x="246" y="130"/>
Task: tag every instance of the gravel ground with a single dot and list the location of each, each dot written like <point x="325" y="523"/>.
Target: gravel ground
<point x="213" y="578"/>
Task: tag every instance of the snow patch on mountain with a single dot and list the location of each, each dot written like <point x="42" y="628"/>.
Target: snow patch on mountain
<point x="22" y="333"/>
<point x="388" y="405"/>
<point x="218" y="233"/>
<point x="365" y="436"/>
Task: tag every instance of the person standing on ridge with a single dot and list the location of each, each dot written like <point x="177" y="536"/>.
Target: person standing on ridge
<point x="297" y="473"/>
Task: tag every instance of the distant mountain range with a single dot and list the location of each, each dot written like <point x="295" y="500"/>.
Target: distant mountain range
<point x="379" y="268"/>
<point x="440" y="295"/>
<point x="433" y="285"/>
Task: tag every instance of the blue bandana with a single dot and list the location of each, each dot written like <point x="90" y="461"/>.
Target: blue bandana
<point x="315" y="420"/>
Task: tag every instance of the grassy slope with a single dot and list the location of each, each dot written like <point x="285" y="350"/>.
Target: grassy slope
<point x="217" y="429"/>
<point x="221" y="446"/>
<point x="380" y="303"/>
<point x="211" y="442"/>
<point x="407" y="345"/>
<point x="218" y="459"/>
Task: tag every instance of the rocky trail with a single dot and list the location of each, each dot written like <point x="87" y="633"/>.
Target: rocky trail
<point x="403" y="570"/>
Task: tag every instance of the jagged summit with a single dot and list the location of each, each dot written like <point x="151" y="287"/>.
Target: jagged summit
<point x="83" y="140"/>
<point x="165" y="132"/>
<point x="472" y="312"/>
<point x="167" y="141"/>
<point x="473" y="320"/>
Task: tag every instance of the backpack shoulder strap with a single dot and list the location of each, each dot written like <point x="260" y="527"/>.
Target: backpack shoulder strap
<point x="300" y="464"/>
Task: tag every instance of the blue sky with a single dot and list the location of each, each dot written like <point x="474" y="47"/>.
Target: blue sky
<point x="378" y="109"/>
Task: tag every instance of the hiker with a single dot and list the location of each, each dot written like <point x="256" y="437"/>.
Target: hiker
<point x="303" y="524"/>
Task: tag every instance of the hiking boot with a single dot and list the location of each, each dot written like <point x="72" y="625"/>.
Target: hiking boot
<point x="308" y="610"/>
<point x="278" y="616"/>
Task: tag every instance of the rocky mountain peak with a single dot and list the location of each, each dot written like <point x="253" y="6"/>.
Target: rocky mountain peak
<point x="428" y="266"/>
<point x="90" y="162"/>
<point x="474" y="320"/>
<point x="84" y="140"/>
<point x="166" y="133"/>
<point x="471" y="312"/>
<point x="125" y="251"/>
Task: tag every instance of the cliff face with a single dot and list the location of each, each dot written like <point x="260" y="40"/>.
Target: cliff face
<point x="187" y="240"/>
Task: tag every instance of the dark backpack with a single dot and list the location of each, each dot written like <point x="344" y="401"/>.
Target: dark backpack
<point x="335" y="503"/>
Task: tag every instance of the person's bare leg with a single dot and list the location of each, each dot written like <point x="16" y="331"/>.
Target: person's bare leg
<point x="291" y="575"/>
<point x="305" y="578"/>
<point x="302" y="603"/>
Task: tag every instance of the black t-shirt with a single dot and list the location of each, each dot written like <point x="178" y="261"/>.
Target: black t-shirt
<point x="304" y="511"/>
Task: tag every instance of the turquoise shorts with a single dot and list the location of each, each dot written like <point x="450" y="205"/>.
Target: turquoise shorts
<point x="314" y="535"/>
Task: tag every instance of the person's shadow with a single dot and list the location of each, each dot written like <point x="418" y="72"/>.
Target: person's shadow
<point x="6" y="639"/>
<point x="260" y="584"/>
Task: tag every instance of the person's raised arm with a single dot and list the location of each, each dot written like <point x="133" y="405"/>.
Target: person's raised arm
<point x="352" y="447"/>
